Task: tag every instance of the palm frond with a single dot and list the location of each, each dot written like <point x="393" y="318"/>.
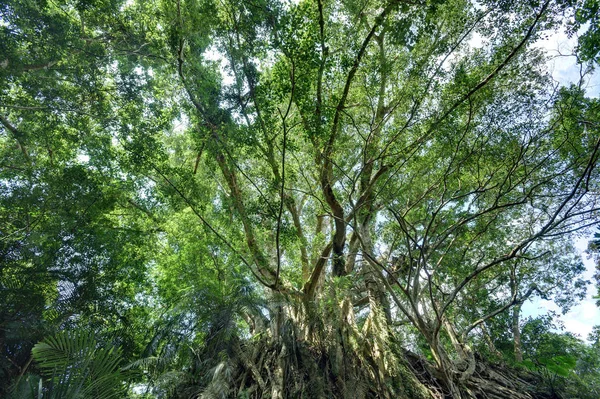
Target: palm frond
<point x="76" y="366"/>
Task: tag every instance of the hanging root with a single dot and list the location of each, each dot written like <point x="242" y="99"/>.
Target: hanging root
<point x="323" y="357"/>
<point x="326" y="355"/>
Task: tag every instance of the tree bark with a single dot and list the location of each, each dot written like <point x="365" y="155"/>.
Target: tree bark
<point x="516" y="329"/>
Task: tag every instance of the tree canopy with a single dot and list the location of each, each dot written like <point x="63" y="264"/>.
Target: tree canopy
<point x="312" y="198"/>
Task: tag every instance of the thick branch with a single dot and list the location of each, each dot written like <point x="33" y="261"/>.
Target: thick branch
<point x="548" y="227"/>
<point x="514" y="301"/>
<point x="339" y="238"/>
<point x="311" y="284"/>
<point x="17" y="135"/>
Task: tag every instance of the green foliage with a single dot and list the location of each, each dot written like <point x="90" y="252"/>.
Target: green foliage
<point x="594" y="252"/>
<point x="567" y="365"/>
<point x="211" y="185"/>
<point x="587" y="15"/>
<point x="73" y="364"/>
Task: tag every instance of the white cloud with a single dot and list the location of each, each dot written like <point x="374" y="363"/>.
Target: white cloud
<point x="563" y="63"/>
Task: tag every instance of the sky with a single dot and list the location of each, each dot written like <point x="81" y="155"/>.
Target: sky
<point x="585" y="315"/>
<point x="581" y="318"/>
<point x="563" y="66"/>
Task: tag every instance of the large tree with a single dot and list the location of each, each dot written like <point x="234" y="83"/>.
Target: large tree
<point x="332" y="178"/>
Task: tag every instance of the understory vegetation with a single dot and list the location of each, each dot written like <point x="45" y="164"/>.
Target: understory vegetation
<point x="295" y="199"/>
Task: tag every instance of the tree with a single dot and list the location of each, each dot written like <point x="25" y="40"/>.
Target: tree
<point x="568" y="367"/>
<point x="586" y="13"/>
<point x="72" y="245"/>
<point x="593" y="251"/>
<point x="358" y="170"/>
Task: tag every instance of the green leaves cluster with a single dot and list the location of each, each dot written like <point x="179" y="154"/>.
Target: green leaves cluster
<point x="185" y="177"/>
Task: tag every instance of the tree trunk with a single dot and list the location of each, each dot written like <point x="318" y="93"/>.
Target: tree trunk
<point x="516" y="329"/>
<point x="488" y="340"/>
<point x="446" y="369"/>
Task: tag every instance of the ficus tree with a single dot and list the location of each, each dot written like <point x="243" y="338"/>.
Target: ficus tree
<point x="357" y="171"/>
